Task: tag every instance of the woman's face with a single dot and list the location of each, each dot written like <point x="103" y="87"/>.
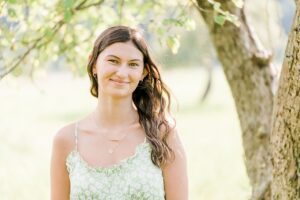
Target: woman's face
<point x="119" y="69"/>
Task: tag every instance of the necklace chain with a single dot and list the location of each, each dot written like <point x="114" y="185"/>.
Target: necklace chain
<point x="110" y="150"/>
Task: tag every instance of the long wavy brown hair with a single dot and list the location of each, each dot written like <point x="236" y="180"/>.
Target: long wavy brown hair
<point x="151" y="97"/>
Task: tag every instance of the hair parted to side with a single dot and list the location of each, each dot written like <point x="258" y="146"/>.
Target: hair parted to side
<point x="151" y="97"/>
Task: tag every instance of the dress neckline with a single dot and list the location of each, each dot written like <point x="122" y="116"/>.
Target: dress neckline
<point x="113" y="167"/>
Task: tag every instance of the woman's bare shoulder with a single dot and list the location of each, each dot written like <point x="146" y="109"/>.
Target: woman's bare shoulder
<point x="64" y="138"/>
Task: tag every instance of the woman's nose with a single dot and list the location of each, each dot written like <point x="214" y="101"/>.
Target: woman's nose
<point x="122" y="70"/>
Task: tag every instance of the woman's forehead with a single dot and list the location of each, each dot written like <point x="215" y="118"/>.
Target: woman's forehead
<point x="123" y="50"/>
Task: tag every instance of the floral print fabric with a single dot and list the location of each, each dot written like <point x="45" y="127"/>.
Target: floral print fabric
<point x="133" y="178"/>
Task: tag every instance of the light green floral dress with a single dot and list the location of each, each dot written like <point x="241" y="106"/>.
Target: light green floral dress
<point x="133" y="178"/>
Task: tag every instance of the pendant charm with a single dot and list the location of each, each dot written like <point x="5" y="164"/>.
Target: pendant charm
<point x="110" y="151"/>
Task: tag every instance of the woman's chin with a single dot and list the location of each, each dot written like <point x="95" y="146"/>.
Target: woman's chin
<point x="119" y="94"/>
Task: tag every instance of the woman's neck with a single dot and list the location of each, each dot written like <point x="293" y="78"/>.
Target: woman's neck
<point x="112" y="113"/>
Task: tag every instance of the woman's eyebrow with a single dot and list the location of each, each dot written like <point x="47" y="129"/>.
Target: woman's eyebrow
<point x="112" y="56"/>
<point x="119" y="58"/>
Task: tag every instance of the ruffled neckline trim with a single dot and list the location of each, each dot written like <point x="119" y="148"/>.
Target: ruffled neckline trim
<point x="111" y="168"/>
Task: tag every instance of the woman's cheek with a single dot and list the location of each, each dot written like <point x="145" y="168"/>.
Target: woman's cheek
<point x="106" y="70"/>
<point x="138" y="74"/>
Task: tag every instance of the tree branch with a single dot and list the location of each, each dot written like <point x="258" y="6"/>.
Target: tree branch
<point x="33" y="46"/>
<point x="37" y="43"/>
<point x="82" y="6"/>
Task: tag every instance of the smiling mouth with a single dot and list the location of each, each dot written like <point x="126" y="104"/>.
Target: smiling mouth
<point x="119" y="82"/>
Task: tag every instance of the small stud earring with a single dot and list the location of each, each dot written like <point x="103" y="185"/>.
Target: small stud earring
<point x="95" y="76"/>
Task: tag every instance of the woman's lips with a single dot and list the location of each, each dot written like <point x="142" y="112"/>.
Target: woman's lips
<point x="119" y="82"/>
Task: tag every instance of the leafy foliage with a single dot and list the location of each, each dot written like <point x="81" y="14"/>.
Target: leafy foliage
<point x="36" y="32"/>
<point x="221" y="16"/>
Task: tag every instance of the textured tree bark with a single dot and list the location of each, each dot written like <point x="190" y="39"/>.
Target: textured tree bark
<point x="247" y="67"/>
<point x="285" y="135"/>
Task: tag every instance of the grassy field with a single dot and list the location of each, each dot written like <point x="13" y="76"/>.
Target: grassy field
<point x="31" y="115"/>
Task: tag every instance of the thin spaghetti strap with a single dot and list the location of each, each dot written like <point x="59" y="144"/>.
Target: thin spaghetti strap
<point x="76" y="136"/>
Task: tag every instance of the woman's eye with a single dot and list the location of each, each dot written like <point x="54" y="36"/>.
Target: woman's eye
<point x="133" y="64"/>
<point x="113" y="61"/>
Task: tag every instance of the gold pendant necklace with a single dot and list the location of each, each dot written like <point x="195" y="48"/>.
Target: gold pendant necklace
<point x="110" y="150"/>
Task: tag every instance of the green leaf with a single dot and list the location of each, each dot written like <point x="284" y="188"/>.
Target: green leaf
<point x="68" y="3"/>
<point x="217" y="6"/>
<point x="238" y="3"/>
<point x="12" y="1"/>
<point x="67" y="15"/>
<point x="48" y="32"/>
<point x="12" y="12"/>
<point x="220" y="19"/>
<point x="173" y="44"/>
<point x="190" y="24"/>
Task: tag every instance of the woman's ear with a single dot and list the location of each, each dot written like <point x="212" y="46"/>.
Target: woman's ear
<point x="94" y="70"/>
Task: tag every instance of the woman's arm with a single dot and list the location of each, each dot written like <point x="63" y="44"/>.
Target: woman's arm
<point x="60" y="184"/>
<point x="175" y="173"/>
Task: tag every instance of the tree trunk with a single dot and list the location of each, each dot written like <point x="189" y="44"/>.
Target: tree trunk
<point x="247" y="68"/>
<point x="285" y="136"/>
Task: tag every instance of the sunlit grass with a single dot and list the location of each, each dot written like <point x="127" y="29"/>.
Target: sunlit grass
<point x="30" y="116"/>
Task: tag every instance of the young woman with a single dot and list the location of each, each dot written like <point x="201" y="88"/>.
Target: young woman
<point x="127" y="148"/>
